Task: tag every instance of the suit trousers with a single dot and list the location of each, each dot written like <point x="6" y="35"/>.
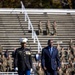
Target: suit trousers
<point x="51" y="72"/>
<point x="27" y="72"/>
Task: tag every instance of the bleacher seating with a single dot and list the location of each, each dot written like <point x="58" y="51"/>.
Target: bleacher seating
<point x="65" y="27"/>
<point x="13" y="27"/>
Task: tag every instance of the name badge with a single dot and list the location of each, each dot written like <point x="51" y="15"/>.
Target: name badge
<point x="28" y="53"/>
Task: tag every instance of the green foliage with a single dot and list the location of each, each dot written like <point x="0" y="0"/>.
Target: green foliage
<point x="46" y="5"/>
<point x="10" y="4"/>
<point x="32" y="3"/>
<point x="1" y="4"/>
<point x="56" y="4"/>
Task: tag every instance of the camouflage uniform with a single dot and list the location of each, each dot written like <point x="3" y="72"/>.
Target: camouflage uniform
<point x="1" y="64"/>
<point x="39" y="70"/>
<point x="1" y="48"/>
<point x="48" y="27"/>
<point x="40" y="27"/>
<point x="9" y="64"/>
<point x="4" y="63"/>
<point x="54" y="27"/>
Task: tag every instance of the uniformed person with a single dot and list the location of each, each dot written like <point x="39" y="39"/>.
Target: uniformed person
<point x="40" y="29"/>
<point x="9" y="64"/>
<point x="48" y="27"/>
<point x="23" y="61"/>
<point x="60" y="72"/>
<point x="39" y="70"/>
<point x="4" y="63"/>
<point x="59" y="50"/>
<point x="1" y="64"/>
<point x="1" y="48"/>
<point x="55" y="28"/>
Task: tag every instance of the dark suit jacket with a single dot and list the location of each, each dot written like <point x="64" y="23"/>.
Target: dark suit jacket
<point x="23" y="59"/>
<point x="50" y="61"/>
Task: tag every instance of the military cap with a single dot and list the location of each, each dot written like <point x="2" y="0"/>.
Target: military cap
<point x="22" y="40"/>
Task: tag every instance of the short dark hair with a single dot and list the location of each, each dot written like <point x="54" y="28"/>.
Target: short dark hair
<point x="48" y="42"/>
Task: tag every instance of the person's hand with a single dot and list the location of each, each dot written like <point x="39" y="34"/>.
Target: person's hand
<point x="31" y="70"/>
<point x="16" y="68"/>
<point x="45" y="68"/>
<point x="58" y="68"/>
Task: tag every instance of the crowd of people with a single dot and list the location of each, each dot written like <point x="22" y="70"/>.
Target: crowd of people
<point x="61" y="61"/>
<point x="48" y="25"/>
<point x="5" y="62"/>
<point x="67" y="59"/>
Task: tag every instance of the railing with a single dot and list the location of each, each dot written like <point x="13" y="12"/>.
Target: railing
<point x="8" y="73"/>
<point x="12" y="73"/>
<point x="30" y="26"/>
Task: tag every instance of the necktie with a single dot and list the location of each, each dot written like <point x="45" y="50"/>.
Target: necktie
<point x="50" y="50"/>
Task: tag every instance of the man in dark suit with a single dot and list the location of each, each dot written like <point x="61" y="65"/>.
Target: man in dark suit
<point x="50" y="60"/>
<point x="23" y="61"/>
